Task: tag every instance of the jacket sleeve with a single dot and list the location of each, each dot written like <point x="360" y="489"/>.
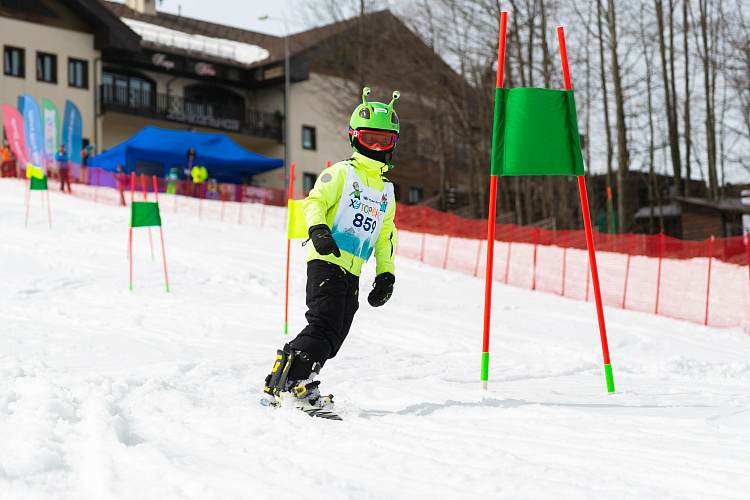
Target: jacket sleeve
<point x="385" y="247"/>
<point x="319" y="206"/>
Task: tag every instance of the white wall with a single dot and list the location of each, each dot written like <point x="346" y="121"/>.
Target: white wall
<point x="63" y="43"/>
<point x="309" y="107"/>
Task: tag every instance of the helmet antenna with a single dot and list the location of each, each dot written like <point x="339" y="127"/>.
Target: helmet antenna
<point x="396" y="95"/>
<point x="365" y="93"/>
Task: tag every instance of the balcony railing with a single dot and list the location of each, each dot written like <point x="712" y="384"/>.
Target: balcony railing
<point x="175" y="108"/>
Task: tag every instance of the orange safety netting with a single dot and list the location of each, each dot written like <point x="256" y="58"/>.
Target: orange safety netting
<point x="707" y="282"/>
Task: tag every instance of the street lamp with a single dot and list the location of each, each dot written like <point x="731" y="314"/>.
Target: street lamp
<point x="287" y="138"/>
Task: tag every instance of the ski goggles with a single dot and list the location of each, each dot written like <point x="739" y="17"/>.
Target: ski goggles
<point x="373" y="139"/>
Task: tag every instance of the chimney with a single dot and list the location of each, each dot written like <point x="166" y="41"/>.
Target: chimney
<point x="142" y="6"/>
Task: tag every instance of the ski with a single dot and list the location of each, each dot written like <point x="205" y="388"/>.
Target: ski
<point x="313" y="411"/>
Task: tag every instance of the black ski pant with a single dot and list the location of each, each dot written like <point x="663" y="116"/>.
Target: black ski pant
<point x="332" y="301"/>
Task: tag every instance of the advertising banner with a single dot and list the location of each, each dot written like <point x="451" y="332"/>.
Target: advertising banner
<point x="51" y="131"/>
<point x="72" y="134"/>
<point x="32" y="118"/>
<point x="14" y="131"/>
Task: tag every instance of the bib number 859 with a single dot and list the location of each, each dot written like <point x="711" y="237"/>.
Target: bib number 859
<point x="366" y="223"/>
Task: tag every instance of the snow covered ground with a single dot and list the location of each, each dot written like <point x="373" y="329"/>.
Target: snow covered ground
<point x="107" y="393"/>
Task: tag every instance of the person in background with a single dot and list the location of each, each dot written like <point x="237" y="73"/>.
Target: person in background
<point x="8" y="165"/>
<point x="63" y="168"/>
<point x="121" y="179"/>
<point x="172" y="181"/>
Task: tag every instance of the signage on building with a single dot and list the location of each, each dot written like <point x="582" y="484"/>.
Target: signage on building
<point x="161" y="60"/>
<point x="205" y="69"/>
<point x="203" y="120"/>
<point x="273" y="73"/>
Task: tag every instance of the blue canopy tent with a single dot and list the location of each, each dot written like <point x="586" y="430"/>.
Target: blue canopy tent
<point x="155" y="151"/>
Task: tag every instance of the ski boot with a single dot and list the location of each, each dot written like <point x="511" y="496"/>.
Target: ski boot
<point x="279" y="385"/>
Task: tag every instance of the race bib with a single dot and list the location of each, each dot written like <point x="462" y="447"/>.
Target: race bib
<point x="360" y="214"/>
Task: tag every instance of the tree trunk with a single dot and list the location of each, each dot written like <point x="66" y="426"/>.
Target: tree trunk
<point x="623" y="161"/>
<point x="605" y="99"/>
<point x="686" y="28"/>
<point x="650" y="109"/>
<point x="709" y="87"/>
<point x="674" y="145"/>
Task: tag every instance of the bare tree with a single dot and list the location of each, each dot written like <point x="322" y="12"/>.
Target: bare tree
<point x="623" y="155"/>
<point x="686" y="29"/>
<point x="706" y="52"/>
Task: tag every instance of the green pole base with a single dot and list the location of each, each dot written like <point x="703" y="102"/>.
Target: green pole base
<point x="131" y="286"/>
<point x="167" y="288"/>
<point x="286" y="328"/>
<point x="485" y="369"/>
<point x="610" y="380"/>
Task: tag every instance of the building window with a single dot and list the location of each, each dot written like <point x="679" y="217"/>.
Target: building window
<point x="13" y="61"/>
<point x="211" y="100"/>
<point x="127" y="90"/>
<point x="308" y="181"/>
<point x="308" y="137"/>
<point x="46" y="67"/>
<point x="78" y="73"/>
<point x="415" y="194"/>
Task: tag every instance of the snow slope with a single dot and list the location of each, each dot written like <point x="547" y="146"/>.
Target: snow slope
<point x="107" y="393"/>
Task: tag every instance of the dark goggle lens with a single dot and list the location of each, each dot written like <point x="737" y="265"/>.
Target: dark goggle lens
<point x="383" y="140"/>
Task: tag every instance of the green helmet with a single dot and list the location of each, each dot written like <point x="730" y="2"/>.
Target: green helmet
<point x="374" y="116"/>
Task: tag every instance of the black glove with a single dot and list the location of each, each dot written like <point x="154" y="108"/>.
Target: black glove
<point x="382" y="289"/>
<point x="323" y="241"/>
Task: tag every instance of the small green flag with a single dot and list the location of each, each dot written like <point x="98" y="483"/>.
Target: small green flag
<point x="535" y="133"/>
<point x="297" y="227"/>
<point x="144" y="213"/>
<point x="38" y="184"/>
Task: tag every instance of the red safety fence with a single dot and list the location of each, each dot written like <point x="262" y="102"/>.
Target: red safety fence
<point x="706" y="282"/>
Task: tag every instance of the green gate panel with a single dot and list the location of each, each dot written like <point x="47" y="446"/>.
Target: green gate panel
<point x="144" y="214"/>
<point x="38" y="184"/>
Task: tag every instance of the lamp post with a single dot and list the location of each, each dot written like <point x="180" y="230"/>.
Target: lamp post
<point x="287" y="83"/>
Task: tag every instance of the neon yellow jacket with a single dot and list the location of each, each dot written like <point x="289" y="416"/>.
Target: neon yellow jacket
<point x="321" y="204"/>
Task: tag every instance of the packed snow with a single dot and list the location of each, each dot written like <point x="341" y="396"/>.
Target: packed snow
<point x="108" y="393"/>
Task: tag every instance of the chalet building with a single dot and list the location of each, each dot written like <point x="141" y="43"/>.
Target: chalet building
<point x="688" y="218"/>
<point x="127" y="66"/>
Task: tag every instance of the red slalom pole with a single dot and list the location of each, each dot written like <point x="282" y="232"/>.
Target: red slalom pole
<point x="288" y="252"/>
<point x="589" y="234"/>
<point x="130" y="238"/>
<point x="145" y="198"/>
<point x="161" y="233"/>
<point x="49" y="210"/>
<point x="491" y="222"/>
<point x="28" y="201"/>
<point x="708" y="281"/>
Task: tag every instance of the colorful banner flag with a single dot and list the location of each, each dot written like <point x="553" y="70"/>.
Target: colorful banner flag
<point x="14" y="131"/>
<point x="32" y="118"/>
<point x="535" y="133"/>
<point x="51" y="131"/>
<point x="72" y="133"/>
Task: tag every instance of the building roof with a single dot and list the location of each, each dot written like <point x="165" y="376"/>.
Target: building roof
<point x="734" y="205"/>
<point x="110" y="34"/>
<point x="273" y="44"/>
<point x="671" y="210"/>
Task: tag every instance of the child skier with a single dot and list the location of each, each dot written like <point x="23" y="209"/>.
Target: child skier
<point x="350" y="215"/>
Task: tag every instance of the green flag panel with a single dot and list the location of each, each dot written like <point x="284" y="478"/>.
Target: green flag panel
<point x="38" y="184"/>
<point x="535" y="133"/>
<point x="144" y="213"/>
